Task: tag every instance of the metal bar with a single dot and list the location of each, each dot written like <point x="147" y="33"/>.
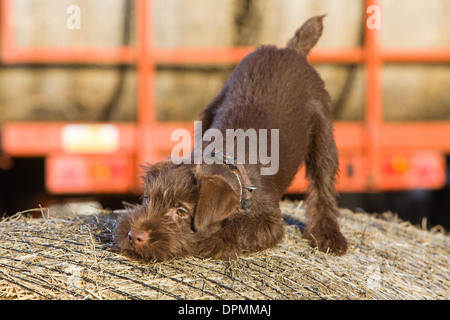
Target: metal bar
<point x="416" y="135"/>
<point x="146" y="100"/>
<point x="234" y="55"/>
<point x="228" y="55"/>
<point x="70" y="55"/>
<point x="374" y="106"/>
<point x="6" y="30"/>
<point x="437" y="55"/>
<point x="225" y="55"/>
<point x="333" y="55"/>
<point x="145" y="65"/>
<point x="19" y="138"/>
<point x="349" y="136"/>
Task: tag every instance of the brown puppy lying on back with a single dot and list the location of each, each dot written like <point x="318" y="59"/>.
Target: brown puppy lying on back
<point x="207" y="210"/>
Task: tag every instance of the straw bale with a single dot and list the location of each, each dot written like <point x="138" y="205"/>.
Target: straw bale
<point x="414" y="92"/>
<point x="182" y="93"/>
<point x="70" y="258"/>
<point x="55" y="94"/>
<point x="43" y="23"/>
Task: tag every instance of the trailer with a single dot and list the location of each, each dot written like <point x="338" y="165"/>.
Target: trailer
<point x="104" y="157"/>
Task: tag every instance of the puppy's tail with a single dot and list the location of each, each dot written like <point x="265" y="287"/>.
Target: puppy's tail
<point x="307" y="36"/>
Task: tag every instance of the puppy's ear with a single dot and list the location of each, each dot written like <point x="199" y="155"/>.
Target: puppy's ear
<point x="217" y="201"/>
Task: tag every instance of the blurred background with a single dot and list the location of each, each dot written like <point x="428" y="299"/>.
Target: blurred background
<point x="62" y="82"/>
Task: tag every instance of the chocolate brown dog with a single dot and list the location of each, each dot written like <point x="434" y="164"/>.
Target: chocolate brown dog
<point x="210" y="210"/>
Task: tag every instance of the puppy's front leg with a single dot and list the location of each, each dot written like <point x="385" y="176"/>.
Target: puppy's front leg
<point x="224" y="230"/>
<point x="240" y="234"/>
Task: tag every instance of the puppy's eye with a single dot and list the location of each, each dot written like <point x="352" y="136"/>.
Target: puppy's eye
<point x="182" y="212"/>
<point x="145" y="200"/>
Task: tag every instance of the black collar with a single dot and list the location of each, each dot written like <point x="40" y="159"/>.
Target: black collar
<point x="239" y="171"/>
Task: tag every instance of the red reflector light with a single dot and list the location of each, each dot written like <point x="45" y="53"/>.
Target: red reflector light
<point x="414" y="170"/>
<point x="399" y="164"/>
<point x="90" y="174"/>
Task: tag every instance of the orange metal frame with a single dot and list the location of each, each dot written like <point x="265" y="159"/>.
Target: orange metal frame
<point x="363" y="146"/>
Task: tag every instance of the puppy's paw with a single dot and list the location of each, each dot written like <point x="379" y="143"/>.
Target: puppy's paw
<point x="225" y="255"/>
<point x="327" y="241"/>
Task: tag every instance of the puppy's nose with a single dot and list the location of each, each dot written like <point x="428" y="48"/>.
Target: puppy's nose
<point x="138" y="237"/>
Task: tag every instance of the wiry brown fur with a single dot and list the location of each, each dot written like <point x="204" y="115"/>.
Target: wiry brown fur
<point x="196" y="209"/>
<point x="168" y="237"/>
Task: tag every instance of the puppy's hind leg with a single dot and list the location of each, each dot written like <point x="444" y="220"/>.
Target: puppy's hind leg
<point x="322" y="228"/>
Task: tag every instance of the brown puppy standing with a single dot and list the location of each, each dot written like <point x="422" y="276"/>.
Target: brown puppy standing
<point x="205" y="209"/>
